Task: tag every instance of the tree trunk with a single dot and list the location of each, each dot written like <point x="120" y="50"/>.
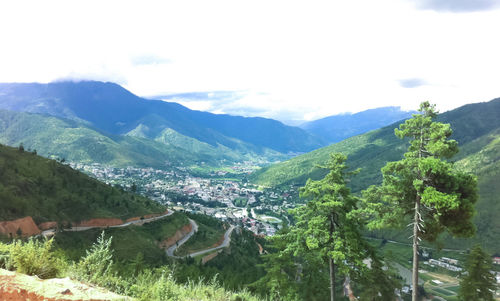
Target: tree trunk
<point x="416" y="221"/>
<point x="332" y="279"/>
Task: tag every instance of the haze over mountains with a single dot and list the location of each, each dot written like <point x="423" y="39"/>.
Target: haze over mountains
<point x="336" y="128"/>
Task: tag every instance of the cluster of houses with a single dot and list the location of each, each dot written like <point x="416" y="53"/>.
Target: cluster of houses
<point x="445" y="262"/>
<point x="237" y="196"/>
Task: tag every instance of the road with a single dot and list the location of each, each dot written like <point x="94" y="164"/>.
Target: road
<point x="51" y="232"/>
<point x="194" y="228"/>
<point x="225" y="243"/>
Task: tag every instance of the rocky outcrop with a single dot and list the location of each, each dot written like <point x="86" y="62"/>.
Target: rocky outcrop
<point x="178" y="235"/>
<point x="24" y="226"/>
<point x="19" y="287"/>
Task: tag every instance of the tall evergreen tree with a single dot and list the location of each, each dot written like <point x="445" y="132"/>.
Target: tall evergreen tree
<point x="325" y="229"/>
<point x="479" y="284"/>
<point x="424" y="187"/>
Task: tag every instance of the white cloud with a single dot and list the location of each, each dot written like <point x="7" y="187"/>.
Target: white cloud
<point x="294" y="59"/>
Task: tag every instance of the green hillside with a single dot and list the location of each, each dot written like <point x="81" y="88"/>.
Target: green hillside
<point x="77" y="142"/>
<point x="372" y="150"/>
<point x="477" y="129"/>
<point x="31" y="185"/>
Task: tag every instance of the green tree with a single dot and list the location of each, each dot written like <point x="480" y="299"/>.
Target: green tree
<point x="479" y="283"/>
<point x="279" y="283"/>
<point x="424" y="187"/>
<point x="96" y="265"/>
<point x="325" y="228"/>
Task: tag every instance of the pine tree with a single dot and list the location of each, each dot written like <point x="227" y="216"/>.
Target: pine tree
<point x="325" y="229"/>
<point x="424" y="187"/>
<point x="479" y="283"/>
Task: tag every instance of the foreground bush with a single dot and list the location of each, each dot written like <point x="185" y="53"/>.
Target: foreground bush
<point x="33" y="257"/>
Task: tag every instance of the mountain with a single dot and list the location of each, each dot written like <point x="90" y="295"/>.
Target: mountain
<point x="46" y="190"/>
<point x="476" y="127"/>
<point x="77" y="141"/>
<point x="114" y="110"/>
<point x="339" y="127"/>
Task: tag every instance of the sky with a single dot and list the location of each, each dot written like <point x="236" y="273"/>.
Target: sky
<point x="288" y="60"/>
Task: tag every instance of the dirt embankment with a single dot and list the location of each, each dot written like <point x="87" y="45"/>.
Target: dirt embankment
<point x="20" y="287"/>
<point x="145" y="216"/>
<point x="209" y="257"/>
<point x="179" y="234"/>
<point x="47" y="225"/>
<point x="28" y="227"/>
<point x="24" y="226"/>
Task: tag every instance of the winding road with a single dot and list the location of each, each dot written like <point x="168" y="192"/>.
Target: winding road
<point x="225" y="243"/>
<point x="194" y="228"/>
<point x="51" y="232"/>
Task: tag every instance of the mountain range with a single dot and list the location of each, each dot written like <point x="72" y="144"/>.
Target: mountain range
<point x="102" y="122"/>
<point x="336" y="128"/>
<point x="114" y="110"/>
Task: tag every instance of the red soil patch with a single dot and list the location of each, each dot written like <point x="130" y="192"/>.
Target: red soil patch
<point x="29" y="228"/>
<point x="47" y="225"/>
<point x="179" y="234"/>
<point x="209" y="257"/>
<point x="100" y="222"/>
<point x="26" y="224"/>
<point x="145" y="216"/>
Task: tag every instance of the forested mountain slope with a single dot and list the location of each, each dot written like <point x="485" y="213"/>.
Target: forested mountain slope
<point x="114" y="110"/>
<point x="77" y="141"/>
<point x="47" y="190"/>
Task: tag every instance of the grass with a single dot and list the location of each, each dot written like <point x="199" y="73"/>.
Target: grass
<point x="99" y="267"/>
<point x="127" y="242"/>
<point x="206" y="237"/>
<point x="50" y="191"/>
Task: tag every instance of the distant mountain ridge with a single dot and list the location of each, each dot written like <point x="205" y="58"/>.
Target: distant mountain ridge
<point x="113" y="109"/>
<point x="336" y="128"/>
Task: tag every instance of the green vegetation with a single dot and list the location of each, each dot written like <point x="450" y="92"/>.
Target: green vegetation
<point x="476" y="127"/>
<point x="479" y="284"/>
<point x="210" y="232"/>
<point x="32" y="258"/>
<point x="97" y="267"/>
<point x="324" y="228"/>
<point x="326" y="237"/>
<point x="235" y="267"/>
<point x="77" y="141"/>
<point x="50" y="191"/>
<point x="423" y="187"/>
<point x="128" y="242"/>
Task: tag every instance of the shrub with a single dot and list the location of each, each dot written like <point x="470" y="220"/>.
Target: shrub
<point x="34" y="257"/>
<point x="96" y="265"/>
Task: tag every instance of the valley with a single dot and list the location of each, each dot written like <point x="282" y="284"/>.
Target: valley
<point x="225" y="194"/>
<point x="210" y="196"/>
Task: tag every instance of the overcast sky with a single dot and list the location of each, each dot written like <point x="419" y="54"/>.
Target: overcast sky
<point x="280" y="59"/>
